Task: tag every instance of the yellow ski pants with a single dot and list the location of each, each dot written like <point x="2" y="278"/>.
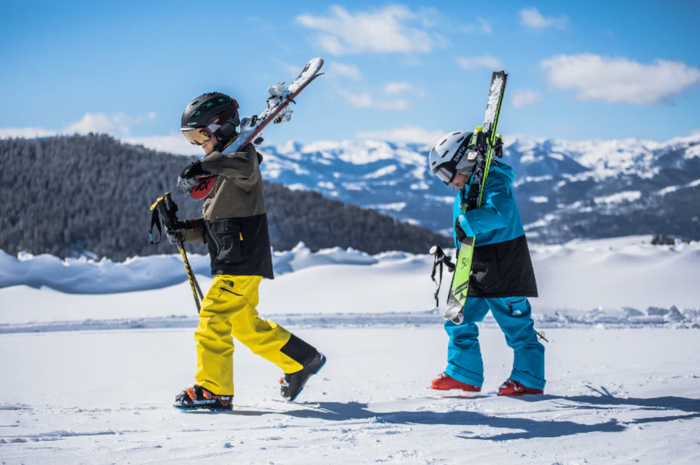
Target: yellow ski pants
<point x="228" y="310"/>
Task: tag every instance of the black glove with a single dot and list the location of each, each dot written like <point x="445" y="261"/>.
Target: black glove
<point x="498" y="147"/>
<point x="176" y="233"/>
<point x="187" y="179"/>
<point x="461" y="235"/>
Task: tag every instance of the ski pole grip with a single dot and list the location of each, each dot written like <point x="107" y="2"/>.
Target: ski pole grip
<point x="168" y="210"/>
<point x="437" y="251"/>
<point x="440" y="257"/>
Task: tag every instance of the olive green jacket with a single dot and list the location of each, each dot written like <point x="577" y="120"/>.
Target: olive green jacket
<point x="234" y="221"/>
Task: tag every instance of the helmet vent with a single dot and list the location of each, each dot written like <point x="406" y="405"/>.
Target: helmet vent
<point x="460" y="139"/>
<point x="442" y="142"/>
<point x="454" y="134"/>
<point x="446" y="152"/>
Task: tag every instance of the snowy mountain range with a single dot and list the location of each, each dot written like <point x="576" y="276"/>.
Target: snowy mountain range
<point x="565" y="190"/>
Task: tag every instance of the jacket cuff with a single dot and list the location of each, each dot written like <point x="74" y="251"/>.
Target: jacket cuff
<point x="464" y="223"/>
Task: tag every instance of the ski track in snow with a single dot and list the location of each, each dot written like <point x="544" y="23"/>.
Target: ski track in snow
<point x="613" y="397"/>
<point x="654" y="317"/>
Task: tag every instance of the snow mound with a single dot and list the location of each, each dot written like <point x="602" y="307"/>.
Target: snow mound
<point x="620" y="282"/>
<point x="301" y="257"/>
<point x="86" y="276"/>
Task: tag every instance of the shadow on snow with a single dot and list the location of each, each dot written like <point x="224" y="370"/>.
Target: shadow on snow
<point x="524" y="428"/>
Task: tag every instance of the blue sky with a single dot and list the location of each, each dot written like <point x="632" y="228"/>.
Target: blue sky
<point x="578" y="70"/>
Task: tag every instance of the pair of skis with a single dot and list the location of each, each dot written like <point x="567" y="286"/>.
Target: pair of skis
<point x="277" y="111"/>
<point x="460" y="279"/>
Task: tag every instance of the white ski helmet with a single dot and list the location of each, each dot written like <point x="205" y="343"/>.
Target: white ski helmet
<point x="446" y="157"/>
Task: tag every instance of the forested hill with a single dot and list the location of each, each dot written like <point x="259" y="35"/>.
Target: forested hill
<point x="68" y="195"/>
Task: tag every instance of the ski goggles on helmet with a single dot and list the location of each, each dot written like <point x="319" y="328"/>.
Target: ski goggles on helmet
<point x="445" y="174"/>
<point x="197" y="136"/>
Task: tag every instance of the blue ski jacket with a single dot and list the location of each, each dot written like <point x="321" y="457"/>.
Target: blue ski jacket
<point x="501" y="265"/>
<point x="498" y="219"/>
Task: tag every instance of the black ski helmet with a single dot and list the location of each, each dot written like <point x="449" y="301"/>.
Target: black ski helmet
<point x="212" y="109"/>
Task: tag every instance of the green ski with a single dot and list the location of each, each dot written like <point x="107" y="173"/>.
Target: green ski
<point x="485" y="139"/>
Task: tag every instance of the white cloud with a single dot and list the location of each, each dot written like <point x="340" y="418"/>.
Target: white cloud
<point x="470" y="63"/>
<point x="116" y="124"/>
<point x="382" y="31"/>
<point x="397" y="87"/>
<point x="523" y="98"/>
<point x="449" y="23"/>
<point x="533" y="19"/>
<point x="402" y="87"/>
<point x="483" y="27"/>
<point x="341" y="69"/>
<point x="367" y="100"/>
<point x="594" y="77"/>
<point x="172" y="143"/>
<point x="26" y="133"/>
<point x="695" y="132"/>
<point x="404" y="134"/>
<point x="95" y="122"/>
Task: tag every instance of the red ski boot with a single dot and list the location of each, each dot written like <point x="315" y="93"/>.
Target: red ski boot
<point x="514" y="388"/>
<point x="445" y="383"/>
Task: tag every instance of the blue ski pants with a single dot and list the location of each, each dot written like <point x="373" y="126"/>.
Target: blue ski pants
<point x="513" y="315"/>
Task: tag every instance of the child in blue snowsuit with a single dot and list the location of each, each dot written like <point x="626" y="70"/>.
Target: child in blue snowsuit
<point x="502" y="279"/>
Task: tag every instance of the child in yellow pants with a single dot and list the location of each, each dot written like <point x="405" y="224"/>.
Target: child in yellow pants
<point x="234" y="228"/>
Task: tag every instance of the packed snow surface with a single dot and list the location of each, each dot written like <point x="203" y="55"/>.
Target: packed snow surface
<point x="93" y="353"/>
<point x="613" y="397"/>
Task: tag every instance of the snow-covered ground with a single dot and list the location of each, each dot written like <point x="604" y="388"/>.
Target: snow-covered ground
<point x="89" y="374"/>
<point x="614" y="397"/>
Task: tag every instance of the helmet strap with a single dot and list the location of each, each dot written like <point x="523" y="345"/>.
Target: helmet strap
<point x="225" y="134"/>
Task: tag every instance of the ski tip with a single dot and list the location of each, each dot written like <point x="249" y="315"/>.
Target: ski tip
<point x="316" y="63"/>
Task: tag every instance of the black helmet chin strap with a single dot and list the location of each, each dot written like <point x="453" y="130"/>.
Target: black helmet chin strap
<point x="225" y="135"/>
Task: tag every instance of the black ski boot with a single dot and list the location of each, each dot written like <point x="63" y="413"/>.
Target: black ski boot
<point x="293" y="383"/>
<point x="197" y="397"/>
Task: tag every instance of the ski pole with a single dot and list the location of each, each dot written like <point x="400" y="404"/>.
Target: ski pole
<point x="170" y="208"/>
<point x="440" y="260"/>
<point x="440" y="256"/>
<point x="167" y="209"/>
<point x="196" y="290"/>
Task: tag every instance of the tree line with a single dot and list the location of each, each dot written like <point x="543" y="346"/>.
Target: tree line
<point x="75" y="195"/>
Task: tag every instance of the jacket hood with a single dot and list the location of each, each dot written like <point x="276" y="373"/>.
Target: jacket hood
<point x="501" y="171"/>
